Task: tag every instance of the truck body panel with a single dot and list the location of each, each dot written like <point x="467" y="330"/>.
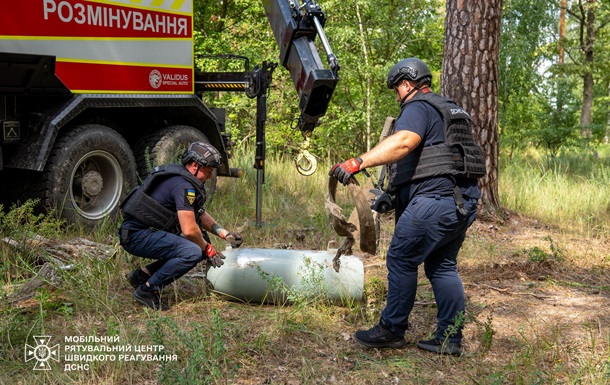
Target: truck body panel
<point x="144" y="48"/>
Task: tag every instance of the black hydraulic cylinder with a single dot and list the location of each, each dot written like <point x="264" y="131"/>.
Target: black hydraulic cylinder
<point x="259" y="158"/>
<point x="295" y="34"/>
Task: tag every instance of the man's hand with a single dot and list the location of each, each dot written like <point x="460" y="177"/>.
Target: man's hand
<point x="215" y="257"/>
<point x="235" y="239"/>
<point x="344" y="171"/>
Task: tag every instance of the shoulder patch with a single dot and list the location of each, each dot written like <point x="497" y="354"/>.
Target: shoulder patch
<point x="189" y="196"/>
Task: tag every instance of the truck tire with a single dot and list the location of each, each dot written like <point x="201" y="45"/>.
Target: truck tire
<point x="91" y="168"/>
<point x="166" y="146"/>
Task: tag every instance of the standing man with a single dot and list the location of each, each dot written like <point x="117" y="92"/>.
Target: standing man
<point x="433" y="166"/>
<point x="164" y="218"/>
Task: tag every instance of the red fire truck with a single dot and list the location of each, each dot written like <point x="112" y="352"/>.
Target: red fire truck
<point x="94" y="92"/>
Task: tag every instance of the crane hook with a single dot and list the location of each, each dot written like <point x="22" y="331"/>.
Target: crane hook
<point x="305" y="162"/>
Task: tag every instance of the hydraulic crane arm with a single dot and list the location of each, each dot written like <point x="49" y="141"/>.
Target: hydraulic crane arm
<point x="295" y="27"/>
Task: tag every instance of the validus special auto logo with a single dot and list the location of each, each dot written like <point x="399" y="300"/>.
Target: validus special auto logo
<point x="155" y="79"/>
<point x="42" y="353"/>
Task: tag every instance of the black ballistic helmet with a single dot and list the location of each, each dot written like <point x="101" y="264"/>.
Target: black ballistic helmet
<point x="411" y="69"/>
<point x="203" y="153"/>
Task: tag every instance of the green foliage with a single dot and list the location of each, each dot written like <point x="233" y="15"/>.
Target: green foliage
<point x="19" y="226"/>
<point x="540" y="100"/>
<point x="200" y="349"/>
<point x="241" y="28"/>
<point x="312" y="287"/>
<point x="276" y="288"/>
<point x="454" y="328"/>
<point x="526" y="107"/>
<point x="91" y="282"/>
<point x="21" y="221"/>
<point x="310" y="291"/>
<point x="487" y="338"/>
<point x="375" y="291"/>
<point x="352" y="28"/>
<point x="539" y="255"/>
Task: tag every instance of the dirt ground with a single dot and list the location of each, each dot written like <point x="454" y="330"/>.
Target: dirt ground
<point x="537" y="304"/>
<point x="537" y="286"/>
<point x="537" y="296"/>
<point x="566" y="292"/>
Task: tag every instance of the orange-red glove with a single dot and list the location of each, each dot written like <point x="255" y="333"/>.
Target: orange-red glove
<point x="344" y="171"/>
<point x="215" y="257"/>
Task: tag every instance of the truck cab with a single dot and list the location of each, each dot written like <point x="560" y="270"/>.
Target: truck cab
<point x="94" y="94"/>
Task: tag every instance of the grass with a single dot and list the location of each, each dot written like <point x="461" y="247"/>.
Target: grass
<point x="209" y="340"/>
<point x="292" y="205"/>
<point x="572" y="189"/>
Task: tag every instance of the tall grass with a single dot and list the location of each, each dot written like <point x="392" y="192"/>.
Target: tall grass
<point x="292" y="209"/>
<point x="572" y="189"/>
<point x="307" y="342"/>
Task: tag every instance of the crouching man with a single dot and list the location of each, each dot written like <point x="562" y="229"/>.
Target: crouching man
<point x="163" y="221"/>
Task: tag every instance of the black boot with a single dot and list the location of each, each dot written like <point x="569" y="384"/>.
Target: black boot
<point x="379" y="336"/>
<point x="136" y="278"/>
<point x="149" y="297"/>
<point x="441" y="346"/>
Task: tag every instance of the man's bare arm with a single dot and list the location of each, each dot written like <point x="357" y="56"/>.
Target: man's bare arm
<point x="207" y="222"/>
<point x="190" y="229"/>
<point x="391" y="149"/>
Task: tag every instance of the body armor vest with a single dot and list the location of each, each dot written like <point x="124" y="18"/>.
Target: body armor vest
<point x="140" y="205"/>
<point x="459" y="155"/>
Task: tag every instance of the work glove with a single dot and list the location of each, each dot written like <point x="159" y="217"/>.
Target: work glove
<point x="235" y="239"/>
<point x="215" y="257"/>
<point x="344" y="171"/>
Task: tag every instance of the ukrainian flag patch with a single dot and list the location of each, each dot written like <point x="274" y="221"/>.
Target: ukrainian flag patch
<point x="189" y="196"/>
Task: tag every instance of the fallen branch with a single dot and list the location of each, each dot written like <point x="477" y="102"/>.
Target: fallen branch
<point x="374" y="264"/>
<point x="507" y="290"/>
<point x="47" y="274"/>
<point x="54" y="256"/>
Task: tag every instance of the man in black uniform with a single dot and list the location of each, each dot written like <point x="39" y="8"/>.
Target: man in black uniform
<point x="163" y="220"/>
<point x="433" y="163"/>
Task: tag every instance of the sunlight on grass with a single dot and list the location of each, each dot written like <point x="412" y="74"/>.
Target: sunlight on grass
<point x="309" y="339"/>
<point x="570" y="190"/>
<point x="293" y="208"/>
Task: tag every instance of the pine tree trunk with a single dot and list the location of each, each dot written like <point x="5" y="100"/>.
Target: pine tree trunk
<point x="562" y="29"/>
<point x="607" y="137"/>
<point x="587" y="48"/>
<point x="365" y="54"/>
<point x="470" y="78"/>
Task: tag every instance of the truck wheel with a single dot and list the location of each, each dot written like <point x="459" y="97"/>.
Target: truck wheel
<point x="89" y="171"/>
<point x="166" y="146"/>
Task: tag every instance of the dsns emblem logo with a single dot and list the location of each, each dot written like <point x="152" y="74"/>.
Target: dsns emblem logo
<point x="155" y="79"/>
<point x="42" y="352"/>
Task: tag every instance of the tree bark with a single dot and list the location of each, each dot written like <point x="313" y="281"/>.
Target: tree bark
<point x="584" y="13"/>
<point x="224" y="9"/>
<point x="365" y="53"/>
<point x="562" y="29"/>
<point x="470" y="78"/>
<point x="607" y="137"/>
<point x="587" y="41"/>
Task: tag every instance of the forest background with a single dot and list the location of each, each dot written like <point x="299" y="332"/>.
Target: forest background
<point x="543" y="69"/>
<point x="537" y="277"/>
